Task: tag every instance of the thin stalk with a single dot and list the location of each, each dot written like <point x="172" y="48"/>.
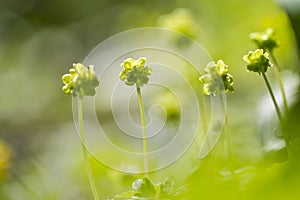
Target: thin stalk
<point x="284" y="134"/>
<point x="273" y="99"/>
<point x="85" y="153"/>
<point x="278" y="76"/>
<point x="142" y="113"/>
<point x="227" y="139"/>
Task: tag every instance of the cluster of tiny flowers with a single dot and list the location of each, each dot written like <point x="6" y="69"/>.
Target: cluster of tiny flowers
<point x="80" y="81"/>
<point x="265" y="40"/>
<point x="135" y="72"/>
<point x="258" y="61"/>
<point x="216" y="78"/>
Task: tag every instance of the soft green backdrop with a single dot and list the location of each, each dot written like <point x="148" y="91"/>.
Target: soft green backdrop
<point x="40" y="39"/>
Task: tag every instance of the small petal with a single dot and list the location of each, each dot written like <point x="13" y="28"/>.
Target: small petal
<point x="128" y="63"/>
<point x="246" y="58"/>
<point x="67" y="78"/>
<point x="205" y="78"/>
<point x="141" y="61"/>
<point x="66" y="89"/>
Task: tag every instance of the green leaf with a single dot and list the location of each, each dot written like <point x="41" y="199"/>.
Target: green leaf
<point x="127" y="194"/>
<point x="167" y="186"/>
<point x="143" y="187"/>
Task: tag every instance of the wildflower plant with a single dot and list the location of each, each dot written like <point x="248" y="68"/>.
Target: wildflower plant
<point x="267" y="42"/>
<point x="136" y="73"/>
<point x="217" y="79"/>
<point x="259" y="61"/>
<point x="79" y="82"/>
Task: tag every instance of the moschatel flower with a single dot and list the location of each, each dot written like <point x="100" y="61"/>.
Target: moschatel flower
<point x="80" y="81"/>
<point x="135" y="72"/>
<point x="258" y="61"/>
<point x="265" y="40"/>
<point x="216" y="78"/>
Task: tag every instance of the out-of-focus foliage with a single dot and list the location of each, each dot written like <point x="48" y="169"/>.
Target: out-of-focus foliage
<point x="265" y="40"/>
<point x="38" y="41"/>
<point x="180" y="20"/>
<point x="5" y="160"/>
<point x="144" y="188"/>
<point x="292" y="8"/>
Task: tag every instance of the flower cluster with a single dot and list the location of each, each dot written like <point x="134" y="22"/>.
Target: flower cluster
<point x="80" y="81"/>
<point x="216" y="78"/>
<point x="135" y="72"/>
<point x="258" y="61"/>
<point x="265" y="40"/>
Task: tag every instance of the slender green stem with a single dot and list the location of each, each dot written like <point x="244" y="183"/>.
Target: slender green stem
<point x="85" y="152"/>
<point x="284" y="134"/>
<point x="278" y="76"/>
<point x="227" y="139"/>
<point x="273" y="99"/>
<point x="142" y="113"/>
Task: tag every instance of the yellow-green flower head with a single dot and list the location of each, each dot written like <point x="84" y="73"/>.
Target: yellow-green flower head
<point x="135" y="72"/>
<point x="265" y="40"/>
<point x="258" y="61"/>
<point x="216" y="78"/>
<point x="80" y="81"/>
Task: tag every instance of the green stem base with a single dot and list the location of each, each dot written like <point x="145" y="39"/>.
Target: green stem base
<point x="142" y="114"/>
<point x="285" y="136"/>
<point x="85" y="152"/>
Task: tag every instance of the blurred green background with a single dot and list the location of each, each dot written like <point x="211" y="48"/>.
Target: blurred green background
<point x="40" y="156"/>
